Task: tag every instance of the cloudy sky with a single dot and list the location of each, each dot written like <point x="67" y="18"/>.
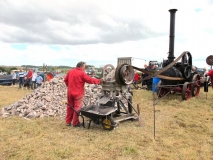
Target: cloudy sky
<point x="99" y="31"/>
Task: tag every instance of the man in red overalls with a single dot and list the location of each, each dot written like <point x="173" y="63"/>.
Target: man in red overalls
<point x="75" y="80"/>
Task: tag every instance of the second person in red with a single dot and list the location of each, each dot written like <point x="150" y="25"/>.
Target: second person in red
<point x="136" y="77"/>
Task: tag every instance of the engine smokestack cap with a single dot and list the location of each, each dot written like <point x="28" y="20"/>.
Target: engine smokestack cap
<point x="174" y="10"/>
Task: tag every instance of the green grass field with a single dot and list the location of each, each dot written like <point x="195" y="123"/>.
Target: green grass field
<point x="184" y="131"/>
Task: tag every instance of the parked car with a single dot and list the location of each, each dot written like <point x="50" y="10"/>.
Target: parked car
<point x="6" y="79"/>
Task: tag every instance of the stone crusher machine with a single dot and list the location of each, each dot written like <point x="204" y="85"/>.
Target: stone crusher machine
<point x="115" y="102"/>
<point x="176" y="75"/>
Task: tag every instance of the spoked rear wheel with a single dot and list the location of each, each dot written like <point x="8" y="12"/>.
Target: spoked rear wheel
<point x="108" y="123"/>
<point x="186" y="91"/>
<point x="195" y="85"/>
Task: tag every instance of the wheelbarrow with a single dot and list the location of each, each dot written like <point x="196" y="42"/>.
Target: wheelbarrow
<point x="97" y="114"/>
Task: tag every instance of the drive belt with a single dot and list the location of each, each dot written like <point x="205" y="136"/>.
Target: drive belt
<point x="157" y="73"/>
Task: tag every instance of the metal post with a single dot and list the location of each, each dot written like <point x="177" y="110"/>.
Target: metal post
<point x="154" y="111"/>
<point x="154" y="120"/>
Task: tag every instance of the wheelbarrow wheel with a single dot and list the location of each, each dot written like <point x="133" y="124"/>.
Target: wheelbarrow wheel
<point x="108" y="123"/>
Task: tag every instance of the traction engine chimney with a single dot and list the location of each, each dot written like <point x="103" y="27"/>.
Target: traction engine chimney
<point x="172" y="35"/>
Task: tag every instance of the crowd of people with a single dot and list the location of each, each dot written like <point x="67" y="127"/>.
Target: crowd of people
<point x="28" y="80"/>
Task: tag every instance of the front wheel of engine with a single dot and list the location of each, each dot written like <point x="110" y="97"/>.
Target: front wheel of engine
<point x="186" y="91"/>
<point x="195" y="85"/>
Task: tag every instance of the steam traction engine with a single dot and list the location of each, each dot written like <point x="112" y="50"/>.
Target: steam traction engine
<point x="176" y="75"/>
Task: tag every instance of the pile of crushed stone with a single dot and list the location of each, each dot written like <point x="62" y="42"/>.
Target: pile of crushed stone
<point x="47" y="100"/>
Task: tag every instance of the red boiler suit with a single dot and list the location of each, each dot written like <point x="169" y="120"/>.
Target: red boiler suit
<point x="75" y="80"/>
<point x="136" y="77"/>
<point x="210" y="73"/>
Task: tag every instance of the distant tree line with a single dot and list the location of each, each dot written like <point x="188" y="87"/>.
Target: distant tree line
<point x="41" y="68"/>
<point x="31" y="66"/>
<point x="7" y="69"/>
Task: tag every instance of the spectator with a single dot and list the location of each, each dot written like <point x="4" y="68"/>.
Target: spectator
<point x="34" y="79"/>
<point x="14" y="78"/>
<point x="29" y="77"/>
<point x="21" y="79"/>
<point x="210" y="74"/>
<point x="136" y="77"/>
<point x="26" y="83"/>
<point x="144" y="75"/>
<point x="194" y="69"/>
<point x="75" y="80"/>
<point x="205" y="72"/>
<point x="153" y="67"/>
<point x="39" y="80"/>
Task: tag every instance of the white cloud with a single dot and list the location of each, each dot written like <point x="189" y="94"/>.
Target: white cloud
<point x="100" y="31"/>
